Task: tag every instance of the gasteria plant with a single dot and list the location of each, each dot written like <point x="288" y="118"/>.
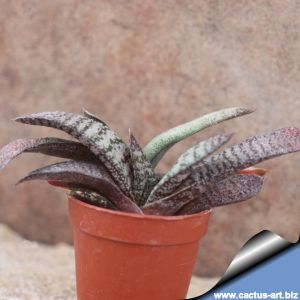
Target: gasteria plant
<point x="103" y="170"/>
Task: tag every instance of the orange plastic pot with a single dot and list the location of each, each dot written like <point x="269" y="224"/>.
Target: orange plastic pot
<point x="128" y="256"/>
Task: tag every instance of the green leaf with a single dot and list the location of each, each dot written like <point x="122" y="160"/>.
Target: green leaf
<point x="182" y="168"/>
<point x="96" y="136"/>
<point x="158" y="146"/>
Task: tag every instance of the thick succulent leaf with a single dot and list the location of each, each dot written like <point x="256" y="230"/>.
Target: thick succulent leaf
<point x="92" y="197"/>
<point x="64" y="149"/>
<point x="195" y="198"/>
<point x="150" y="184"/>
<point x="234" y="189"/>
<point x="69" y="185"/>
<point x="243" y="155"/>
<point x="84" y="192"/>
<point x="158" y="146"/>
<point x="98" y="137"/>
<point x="93" y="176"/>
<point x="246" y="154"/>
<point x="143" y="173"/>
<point x="161" y="154"/>
<point x="182" y="168"/>
<point x="13" y="149"/>
<point x="49" y="146"/>
<point x="171" y="204"/>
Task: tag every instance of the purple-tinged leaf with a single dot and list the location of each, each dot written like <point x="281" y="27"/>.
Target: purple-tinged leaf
<point x="94" y="177"/>
<point x="171" y="204"/>
<point x="98" y="137"/>
<point x="64" y="149"/>
<point x="84" y="192"/>
<point x="182" y="169"/>
<point x="91" y="197"/>
<point x="143" y="173"/>
<point x="49" y="146"/>
<point x="150" y="184"/>
<point x="231" y="190"/>
<point x="69" y="185"/>
<point x="13" y="149"/>
<point x="246" y="154"/>
<point x="195" y="198"/>
<point x="159" y="145"/>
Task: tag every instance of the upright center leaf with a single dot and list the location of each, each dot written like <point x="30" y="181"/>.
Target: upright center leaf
<point x="144" y="178"/>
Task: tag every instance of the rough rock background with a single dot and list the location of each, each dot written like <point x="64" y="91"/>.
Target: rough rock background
<point x="31" y="271"/>
<point x="150" y="65"/>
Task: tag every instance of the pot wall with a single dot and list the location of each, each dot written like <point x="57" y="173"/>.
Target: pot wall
<point x="125" y="256"/>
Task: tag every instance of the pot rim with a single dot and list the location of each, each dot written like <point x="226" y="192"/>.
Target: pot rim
<point x="137" y="229"/>
<point x="139" y="216"/>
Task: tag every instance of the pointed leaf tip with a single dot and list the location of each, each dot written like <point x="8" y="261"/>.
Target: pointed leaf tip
<point x="245" y="110"/>
<point x="13" y="149"/>
<point x="292" y="137"/>
<point x="92" y="116"/>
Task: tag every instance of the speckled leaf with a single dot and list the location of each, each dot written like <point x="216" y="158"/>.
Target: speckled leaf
<point x="91" y="197"/>
<point x="98" y="137"/>
<point x="84" y="192"/>
<point x="150" y="184"/>
<point x="91" y="175"/>
<point x="171" y="204"/>
<point x="143" y="174"/>
<point x="159" y="144"/>
<point x="49" y="146"/>
<point x="182" y="169"/>
<point x="231" y="190"/>
<point x="246" y="154"/>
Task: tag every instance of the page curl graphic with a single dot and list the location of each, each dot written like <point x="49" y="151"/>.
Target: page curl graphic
<point x="256" y="250"/>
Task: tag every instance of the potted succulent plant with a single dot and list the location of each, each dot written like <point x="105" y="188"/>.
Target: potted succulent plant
<point x="136" y="232"/>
